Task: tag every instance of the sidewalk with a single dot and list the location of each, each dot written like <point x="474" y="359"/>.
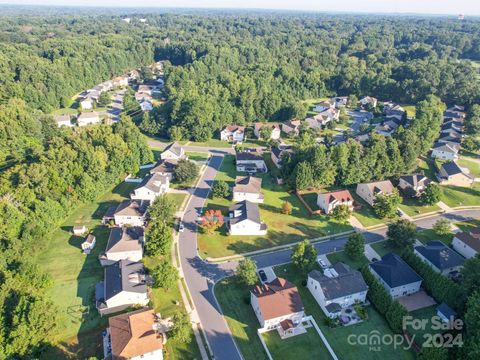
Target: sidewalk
<point x="370" y="253"/>
<point x="444" y="206"/>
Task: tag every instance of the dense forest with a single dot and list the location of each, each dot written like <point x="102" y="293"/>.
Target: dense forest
<point x="220" y="68"/>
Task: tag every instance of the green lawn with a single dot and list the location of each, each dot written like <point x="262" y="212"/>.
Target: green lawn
<point x="410" y="109"/>
<point x="177" y="199"/>
<point x="473" y="166"/>
<point x="365" y="213"/>
<point x="305" y="346"/>
<point x="383" y="247"/>
<point x="468" y="225"/>
<point x="311" y="199"/>
<point x="413" y="207"/>
<point x="427" y="168"/>
<point x="197" y="156"/>
<point x="282" y="229"/>
<point x="340" y="256"/>
<point x="461" y="196"/>
<point x="423" y="314"/>
<point x="65" y="111"/>
<point x="427" y="235"/>
<point x="216" y="143"/>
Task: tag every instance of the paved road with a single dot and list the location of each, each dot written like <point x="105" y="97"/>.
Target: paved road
<point x="214" y="151"/>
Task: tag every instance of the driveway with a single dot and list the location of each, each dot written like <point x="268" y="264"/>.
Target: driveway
<point x="419" y="300"/>
<point x="213" y="150"/>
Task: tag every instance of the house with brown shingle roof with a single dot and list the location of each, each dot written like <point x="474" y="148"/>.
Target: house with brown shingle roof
<point x="165" y="167"/>
<point x="133" y="213"/>
<point x="328" y="201"/>
<point x="248" y="188"/>
<point x="276" y="132"/>
<point x="369" y="191"/>
<point x="134" y="335"/>
<point x="467" y="244"/>
<point x="278" y="305"/>
<point x="292" y="126"/>
<point x="233" y="133"/>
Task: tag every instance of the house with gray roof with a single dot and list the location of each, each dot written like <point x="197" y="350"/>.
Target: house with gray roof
<point x="452" y="174"/>
<point x="338" y="288"/>
<point x="250" y="162"/>
<point x="413" y="185"/>
<point x="131" y="213"/>
<point x="440" y="257"/>
<point x="248" y="188"/>
<point x="396" y="276"/>
<point x="87" y="118"/>
<point x="173" y="152"/>
<point x="165" y="168"/>
<point x="124" y="285"/>
<point x="467" y="244"/>
<point x="63" y="120"/>
<point x="151" y="187"/>
<point x="445" y="151"/>
<point x="244" y="219"/>
<point x="278" y="152"/>
<point x="124" y="243"/>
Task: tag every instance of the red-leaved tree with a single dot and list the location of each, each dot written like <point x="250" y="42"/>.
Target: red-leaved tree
<point x="211" y="221"/>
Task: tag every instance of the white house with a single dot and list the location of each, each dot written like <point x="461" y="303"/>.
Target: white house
<point x="467" y="244"/>
<point x="337" y="289"/>
<point x="132" y="213"/>
<point x="396" y="276"/>
<point x="277" y="305"/>
<point x="278" y="152"/>
<point x="328" y="201"/>
<point x="87" y="118"/>
<point x="79" y="230"/>
<point x="146" y="106"/>
<point x="324" y="105"/>
<point x="248" y="188"/>
<point x="244" y="219"/>
<point x="445" y="151"/>
<point x="123" y="286"/>
<point x="63" y="120"/>
<point x="88" y="244"/>
<point x="369" y="191"/>
<point x="250" y="161"/>
<point x="368" y="100"/>
<point x="173" y="152"/>
<point x="275" y="128"/>
<point x="124" y="243"/>
<point x="413" y="185"/>
<point x="151" y="187"/>
<point x="135" y="335"/>
<point x="323" y="118"/>
<point x="233" y="133"/>
<point x="439" y="257"/>
<point x="86" y="103"/>
<point x="120" y="81"/>
<point x="291" y="127"/>
<point x="165" y="168"/>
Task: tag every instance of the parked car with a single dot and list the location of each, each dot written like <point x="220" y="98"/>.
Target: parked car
<point x="181" y="227"/>
<point x="322" y="263"/>
<point x="262" y="275"/>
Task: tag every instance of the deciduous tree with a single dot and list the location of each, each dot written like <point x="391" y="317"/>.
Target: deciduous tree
<point x="211" y="221"/>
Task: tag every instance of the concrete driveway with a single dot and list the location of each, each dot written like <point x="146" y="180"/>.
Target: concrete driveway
<point x="269" y="273"/>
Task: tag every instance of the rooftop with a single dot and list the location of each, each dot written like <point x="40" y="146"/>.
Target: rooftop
<point x="244" y="210"/>
<point x="132" y="208"/>
<point x="394" y="271"/>
<point x="125" y="239"/>
<point x="124" y="276"/>
<point x="440" y="255"/>
<point x="248" y="184"/>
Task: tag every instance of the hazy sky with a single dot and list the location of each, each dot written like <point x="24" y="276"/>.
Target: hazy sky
<point x="467" y="7"/>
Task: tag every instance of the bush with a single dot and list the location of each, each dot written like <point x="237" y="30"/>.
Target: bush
<point x="361" y="311"/>
<point x="220" y="190"/>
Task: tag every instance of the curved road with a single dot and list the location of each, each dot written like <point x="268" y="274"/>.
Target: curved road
<point x="201" y="276"/>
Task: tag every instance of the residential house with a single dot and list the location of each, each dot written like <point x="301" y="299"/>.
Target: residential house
<point x="455" y="111"/>
<point x="396" y="112"/>
<point x="88" y="244"/>
<point x="368" y="101"/>
<point x="79" y="230"/>
<point x="278" y="305"/>
<point x="324" y="105"/>
<point x="396" y="276"/>
<point x="338" y="288"/>
<point x="109" y="215"/>
<point x="369" y="191"/>
<point x="173" y="152"/>
<point x="451" y="174"/>
<point x="248" y="188"/>
<point x="450" y="137"/>
<point x="135" y="335"/>
<point x="165" y="168"/>
<point x="244" y="219"/>
<point x="291" y="127"/>
<point x="328" y="201"/>
<point x="278" y="152"/>
<point x="87" y="118"/>
<point x="133" y="75"/>
<point x="63" y="120"/>
<point x="446" y="313"/>
<point x="124" y="243"/>
<point x="439" y="257"/>
<point x="275" y="130"/>
<point x="131" y="213"/>
<point x="142" y="97"/>
<point x="146" y="89"/>
<point x="340" y="101"/>
<point x="151" y="187"/>
<point x="413" y="185"/>
<point x="319" y="120"/>
<point x="453" y="125"/>
<point x="120" y="81"/>
<point x="467" y="244"/>
<point x="388" y="127"/>
<point x="445" y="151"/>
<point x="146" y="106"/>
<point x="250" y="162"/>
<point x="86" y="103"/>
<point x="233" y="133"/>
<point x="123" y="286"/>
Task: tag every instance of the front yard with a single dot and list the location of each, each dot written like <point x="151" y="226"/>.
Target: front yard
<point x="473" y="166"/>
<point x="413" y="207"/>
<point x="455" y="196"/>
<point x="364" y="212"/>
<point x="341" y="256"/>
<point x="282" y="229"/>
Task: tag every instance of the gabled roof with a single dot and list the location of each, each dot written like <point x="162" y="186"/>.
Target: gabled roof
<point x="348" y="282"/>
<point x="61" y="118"/>
<point x="132" y="208"/>
<point x="249" y="156"/>
<point x="175" y="148"/>
<point x="415" y="180"/>
<point x="451" y="168"/>
<point x="340" y="196"/>
<point x="293" y="123"/>
<point x="248" y="184"/>
<point x="469" y="240"/>
<point x="153" y="182"/>
<point x="441" y="256"/>
<point x="446" y="311"/>
<point x="376" y="187"/>
<point x="245" y="210"/>
<point x="279" y="150"/>
<point x="448" y="147"/>
<point x="89" y="239"/>
<point x="132" y="334"/>
<point x="164" y="166"/>
<point x="259" y="125"/>
<point x="124" y="276"/>
<point x="234" y="128"/>
<point x="87" y="115"/>
<point x="278" y="298"/>
<point x="125" y="239"/>
<point x="394" y="271"/>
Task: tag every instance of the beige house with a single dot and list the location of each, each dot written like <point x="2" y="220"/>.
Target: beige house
<point x="368" y="100"/>
<point x="328" y="201"/>
<point x="173" y="152"/>
<point x="451" y="174"/>
<point x="131" y="213"/>
<point x="467" y="244"/>
<point x="248" y="188"/>
<point x="233" y="133"/>
<point x="87" y="118"/>
<point x="445" y="151"/>
<point x="368" y="191"/>
<point x="278" y="152"/>
<point x="413" y="185"/>
<point x="151" y="187"/>
<point x="291" y="127"/>
<point x="123" y="244"/>
<point x="63" y="120"/>
<point x="276" y="132"/>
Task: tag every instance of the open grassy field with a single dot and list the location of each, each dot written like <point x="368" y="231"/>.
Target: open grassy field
<point x="79" y="326"/>
<point x="197" y="156"/>
<point x="461" y="196"/>
<point x="282" y="229"/>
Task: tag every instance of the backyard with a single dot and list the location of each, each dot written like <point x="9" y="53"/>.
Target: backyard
<point x="282" y="229"/>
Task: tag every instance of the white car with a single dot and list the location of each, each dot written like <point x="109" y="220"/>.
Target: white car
<point x="322" y="263"/>
<point x="181" y="227"/>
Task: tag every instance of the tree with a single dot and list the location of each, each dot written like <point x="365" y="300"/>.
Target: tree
<point x="472" y="324"/>
<point x="211" y="221"/>
<point x="341" y="213"/>
<point x="473" y="120"/>
<point x="395" y="315"/>
<point x="471" y="274"/>
<point x="149" y="125"/>
<point x="442" y="227"/>
<point x="304" y="256"/>
<point x="104" y="99"/>
<point x="185" y="171"/>
<point x="247" y="271"/>
<point x="385" y="205"/>
<point x="265" y="132"/>
<point x="286" y="208"/>
<point x="433" y="353"/>
<point x="181" y="328"/>
<point x="175" y="133"/>
<point x="165" y="275"/>
<point x="355" y="246"/>
<point x="431" y="195"/>
<point x="220" y="189"/>
<point x="401" y="233"/>
<point x="162" y="209"/>
<point x="352" y="100"/>
<point x="159" y="238"/>
<point x="303" y="176"/>
<point x="471" y="144"/>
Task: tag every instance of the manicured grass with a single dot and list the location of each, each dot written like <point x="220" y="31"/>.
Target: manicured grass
<point x="365" y="214"/>
<point x="468" y="225"/>
<point x="214" y="143"/>
<point x="419" y="333"/>
<point x="473" y="166"/>
<point x="410" y="109"/>
<point x="461" y="196"/>
<point x="341" y="256"/>
<point x="427" y="235"/>
<point x="469" y="154"/>
<point x="197" y="156"/>
<point x="65" y="111"/>
<point x="413" y="207"/>
<point x="282" y="229"/>
<point x="384" y="247"/>
<point x="311" y="199"/>
<point x="305" y="346"/>
<point x="177" y="199"/>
